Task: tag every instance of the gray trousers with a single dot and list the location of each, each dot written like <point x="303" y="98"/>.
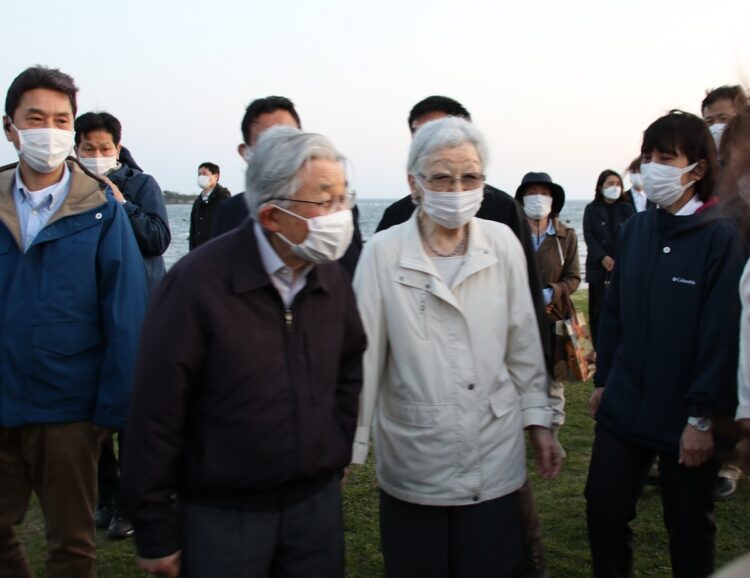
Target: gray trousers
<point x="303" y="541"/>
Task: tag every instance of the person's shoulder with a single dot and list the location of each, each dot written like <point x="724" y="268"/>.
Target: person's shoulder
<point x="222" y="192"/>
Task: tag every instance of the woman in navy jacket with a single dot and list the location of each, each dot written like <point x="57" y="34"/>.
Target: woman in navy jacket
<point x="602" y="220"/>
<point x="667" y="356"/>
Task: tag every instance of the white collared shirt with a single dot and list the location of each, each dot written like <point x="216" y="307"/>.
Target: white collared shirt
<point x="690" y="207"/>
<point x="283" y="278"/>
<point x="36" y="207"/>
<point x="639" y="199"/>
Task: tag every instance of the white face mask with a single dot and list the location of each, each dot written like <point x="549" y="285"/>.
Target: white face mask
<point x="44" y="149"/>
<point x="636" y="179"/>
<point x="204" y="181"/>
<point x="663" y="183"/>
<point x="452" y="209"/>
<point x="537" y="206"/>
<point x="100" y="166"/>
<point x="716" y="131"/>
<point x="328" y="236"/>
<point x="612" y="193"/>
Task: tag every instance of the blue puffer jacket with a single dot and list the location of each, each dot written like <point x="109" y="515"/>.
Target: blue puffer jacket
<point x="148" y="217"/>
<point x="72" y="308"/>
<point x="668" y="335"/>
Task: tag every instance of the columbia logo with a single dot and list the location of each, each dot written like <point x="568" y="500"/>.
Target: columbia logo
<point x="683" y="281"/>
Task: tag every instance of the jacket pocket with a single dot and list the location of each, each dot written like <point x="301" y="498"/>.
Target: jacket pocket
<point x="413" y="414"/>
<point x="66" y="339"/>
<point x="505" y="399"/>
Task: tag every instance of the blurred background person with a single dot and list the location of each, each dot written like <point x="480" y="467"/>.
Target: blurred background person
<point x="602" y="219"/>
<point x="204" y="208"/>
<point x="719" y="107"/>
<point x="557" y="256"/>
<point x="454" y="370"/>
<point x="635" y="194"/>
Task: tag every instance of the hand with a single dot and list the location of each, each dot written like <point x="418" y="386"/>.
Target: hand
<point x="743" y="455"/>
<point x="168" y="566"/>
<point x="546" y="452"/>
<point x="115" y="190"/>
<point x="344" y="478"/>
<point x="696" y="446"/>
<point x="595" y="400"/>
<point x="745" y="427"/>
<point x="608" y="263"/>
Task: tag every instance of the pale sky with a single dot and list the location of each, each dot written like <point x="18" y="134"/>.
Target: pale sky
<point x="562" y="87"/>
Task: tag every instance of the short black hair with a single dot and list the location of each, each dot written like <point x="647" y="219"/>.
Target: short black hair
<point x="635" y="165"/>
<point x="211" y="167"/>
<point x="91" y="121"/>
<point x="437" y="104"/>
<point x="735" y="94"/>
<point x="266" y="105"/>
<point x="39" y="77"/>
<point x="603" y="176"/>
<point x="682" y="132"/>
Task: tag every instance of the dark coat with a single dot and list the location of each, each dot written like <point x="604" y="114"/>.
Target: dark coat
<point x="147" y="214"/>
<point x="202" y="216"/>
<point x="496" y="206"/>
<point x="232" y="213"/>
<point x="668" y="342"/>
<point x="239" y="402"/>
<point x="599" y="236"/>
<point x="559" y="266"/>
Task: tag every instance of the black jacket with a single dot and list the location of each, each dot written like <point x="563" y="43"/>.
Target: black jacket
<point x="148" y="217"/>
<point x="496" y="206"/>
<point x="601" y="235"/>
<point x="668" y="342"/>
<point x="233" y="212"/>
<point x="239" y="402"/>
<point x="202" y="216"/>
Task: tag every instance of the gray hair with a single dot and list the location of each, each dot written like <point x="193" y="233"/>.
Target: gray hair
<point x="279" y="155"/>
<point x="447" y="132"/>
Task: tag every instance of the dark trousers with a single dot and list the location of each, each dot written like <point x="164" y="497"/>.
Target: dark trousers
<point x="302" y="541"/>
<point x="109" y="471"/>
<point x="617" y="474"/>
<point x="596" y="299"/>
<point x="58" y="463"/>
<point x="477" y="541"/>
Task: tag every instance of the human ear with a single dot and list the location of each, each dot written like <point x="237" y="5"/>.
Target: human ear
<point x="267" y="217"/>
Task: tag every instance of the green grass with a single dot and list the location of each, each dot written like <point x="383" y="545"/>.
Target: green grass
<point x="560" y="503"/>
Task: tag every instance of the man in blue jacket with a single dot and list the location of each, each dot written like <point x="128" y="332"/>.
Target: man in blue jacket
<point x="73" y="290"/>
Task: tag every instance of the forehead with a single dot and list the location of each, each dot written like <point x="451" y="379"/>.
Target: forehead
<point x="49" y="102"/>
<point x="203" y="171"/>
<point x="612" y="179"/>
<point x="322" y="176"/>
<point x="538" y="189"/>
<point x="266" y="120"/>
<point x="97" y="137"/>
<point x="462" y="155"/>
<point x="427" y="117"/>
<point x="723" y="106"/>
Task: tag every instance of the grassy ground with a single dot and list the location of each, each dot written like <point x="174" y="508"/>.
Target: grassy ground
<point x="560" y="504"/>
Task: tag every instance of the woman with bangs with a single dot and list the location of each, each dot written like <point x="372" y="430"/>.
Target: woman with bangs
<point x="667" y="355"/>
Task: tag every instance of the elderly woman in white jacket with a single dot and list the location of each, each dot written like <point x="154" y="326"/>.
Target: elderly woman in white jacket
<point x="454" y="370"/>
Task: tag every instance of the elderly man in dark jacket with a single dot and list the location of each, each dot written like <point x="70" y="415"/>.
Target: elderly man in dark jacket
<point x="247" y="411"/>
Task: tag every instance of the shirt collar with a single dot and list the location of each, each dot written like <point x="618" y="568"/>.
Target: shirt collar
<point x="690" y="207"/>
<point x="50" y="194"/>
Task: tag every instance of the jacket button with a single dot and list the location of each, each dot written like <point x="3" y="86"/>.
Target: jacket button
<point x="98" y="216"/>
<point x="471" y="386"/>
<point x="475" y="498"/>
<point x="666" y="250"/>
<point x="427" y="286"/>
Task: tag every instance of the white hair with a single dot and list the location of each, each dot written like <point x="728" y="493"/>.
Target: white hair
<point x="279" y="155"/>
<point x="446" y="132"/>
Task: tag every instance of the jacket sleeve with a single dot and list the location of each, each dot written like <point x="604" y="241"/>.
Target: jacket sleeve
<point x="712" y="387"/>
<point x="372" y="310"/>
<point x="123" y="295"/>
<point x="170" y="358"/>
<point x="570" y="277"/>
<point x="523" y="356"/>
<point x="148" y="216"/>
<point x="743" y="371"/>
<point x="609" y="330"/>
<point x="594" y="245"/>
<point x="191" y="235"/>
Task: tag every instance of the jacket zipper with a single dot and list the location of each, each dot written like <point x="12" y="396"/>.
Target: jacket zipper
<point x="289" y="318"/>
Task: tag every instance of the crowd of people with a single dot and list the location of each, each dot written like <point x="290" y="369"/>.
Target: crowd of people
<point x="213" y="411"/>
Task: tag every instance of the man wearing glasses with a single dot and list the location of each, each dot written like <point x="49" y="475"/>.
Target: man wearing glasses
<point x="247" y="413"/>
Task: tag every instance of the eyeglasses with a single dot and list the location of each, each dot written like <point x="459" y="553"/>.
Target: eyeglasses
<point x="443" y="182"/>
<point x="345" y="201"/>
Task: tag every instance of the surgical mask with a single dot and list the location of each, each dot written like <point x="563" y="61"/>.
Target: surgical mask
<point x="247" y="153"/>
<point x="452" y="209"/>
<point x="716" y="131"/>
<point x="100" y="166"/>
<point x="537" y="206"/>
<point x="44" y="149"/>
<point x="328" y="236"/>
<point x="636" y="179"/>
<point x="612" y="193"/>
<point x="204" y="181"/>
<point x="663" y="183"/>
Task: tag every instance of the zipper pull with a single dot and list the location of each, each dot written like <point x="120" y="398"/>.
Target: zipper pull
<point x="288" y="317"/>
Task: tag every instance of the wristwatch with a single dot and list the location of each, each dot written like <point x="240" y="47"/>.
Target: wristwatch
<point x="700" y="423"/>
